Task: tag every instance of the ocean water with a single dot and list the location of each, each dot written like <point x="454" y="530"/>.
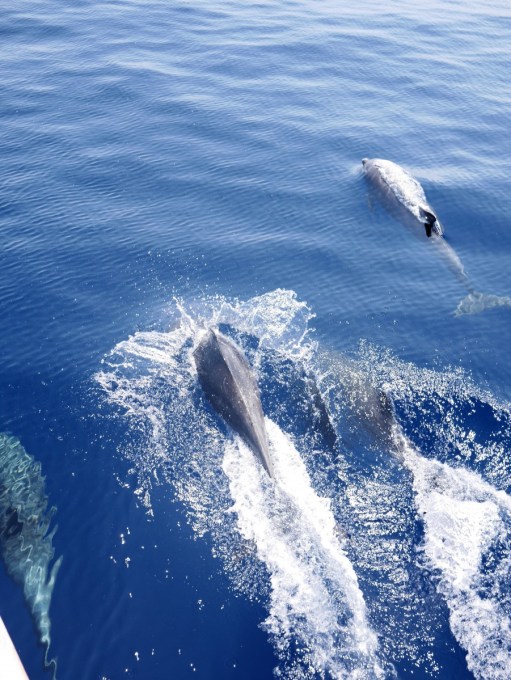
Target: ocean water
<point x="168" y="166"/>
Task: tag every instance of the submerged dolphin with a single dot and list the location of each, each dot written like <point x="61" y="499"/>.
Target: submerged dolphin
<point x="404" y="196"/>
<point x="231" y="388"/>
<point x="26" y="536"/>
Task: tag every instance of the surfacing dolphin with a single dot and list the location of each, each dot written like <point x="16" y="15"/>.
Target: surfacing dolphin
<point x="398" y="185"/>
<point x="231" y="388"/>
<point x="403" y="195"/>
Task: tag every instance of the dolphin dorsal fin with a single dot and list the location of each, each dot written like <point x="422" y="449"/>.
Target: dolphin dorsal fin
<point x="430" y="219"/>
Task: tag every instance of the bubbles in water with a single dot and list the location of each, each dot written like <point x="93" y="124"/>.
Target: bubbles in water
<point x="476" y="302"/>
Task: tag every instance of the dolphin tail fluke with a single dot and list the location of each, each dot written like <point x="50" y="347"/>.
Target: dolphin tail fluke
<point x="476" y="302"/>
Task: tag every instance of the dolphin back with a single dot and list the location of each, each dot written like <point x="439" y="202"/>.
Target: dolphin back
<point x="399" y="188"/>
<point x="231" y="388"/>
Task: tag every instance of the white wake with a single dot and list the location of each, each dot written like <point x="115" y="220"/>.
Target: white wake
<point x="315" y="598"/>
<point x="467" y="545"/>
<point x="277" y="542"/>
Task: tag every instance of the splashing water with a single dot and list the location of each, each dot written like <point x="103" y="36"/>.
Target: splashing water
<point x="405" y="518"/>
<point x="25" y="536"/>
<point x="315" y="599"/>
<point x="459" y="486"/>
<point x="467" y="544"/>
<point x="445" y="414"/>
<point x="431" y="532"/>
<point x="285" y="533"/>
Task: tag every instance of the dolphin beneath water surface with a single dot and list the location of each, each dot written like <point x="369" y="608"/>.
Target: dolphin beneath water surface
<point x="231" y="388"/>
<point x="26" y="533"/>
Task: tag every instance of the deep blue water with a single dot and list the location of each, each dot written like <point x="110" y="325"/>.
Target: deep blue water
<point x="170" y="165"/>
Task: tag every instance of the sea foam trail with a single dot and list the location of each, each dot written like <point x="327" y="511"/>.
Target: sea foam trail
<point x="277" y="541"/>
<point x="467" y="544"/>
<point x="315" y="601"/>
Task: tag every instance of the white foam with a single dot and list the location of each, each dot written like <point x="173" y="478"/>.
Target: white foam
<point x="465" y="521"/>
<point x="278" y="319"/>
<point x="316" y="613"/>
<point x="315" y="598"/>
<point x="476" y="302"/>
